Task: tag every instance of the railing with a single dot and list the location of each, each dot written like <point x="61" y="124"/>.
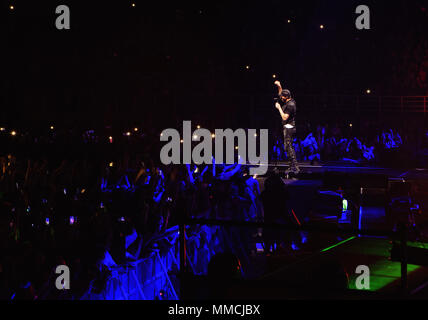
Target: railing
<point x="344" y="102"/>
<point x="259" y="110"/>
<point x="150" y="278"/>
<point x="364" y="103"/>
<point x="144" y="279"/>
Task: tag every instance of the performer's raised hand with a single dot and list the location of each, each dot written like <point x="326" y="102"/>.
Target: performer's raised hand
<point x="278" y="84"/>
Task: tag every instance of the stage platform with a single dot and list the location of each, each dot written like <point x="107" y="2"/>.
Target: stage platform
<point x="307" y="170"/>
<point x="318" y="191"/>
<point x="315" y="264"/>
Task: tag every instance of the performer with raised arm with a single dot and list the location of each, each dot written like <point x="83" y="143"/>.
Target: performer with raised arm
<point x="287" y="109"/>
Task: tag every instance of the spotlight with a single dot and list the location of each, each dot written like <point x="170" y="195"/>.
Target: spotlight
<point x="274" y="76"/>
<point x="52" y="127"/>
<point x="195" y="137"/>
<point x="11" y="7"/>
<point x="322" y="26"/>
<point x="128" y="133"/>
<point x="368" y="91"/>
<point x="2" y="129"/>
<point x="198" y="126"/>
<point x="247" y="67"/>
<point x="135" y="129"/>
<point x="350" y="125"/>
<point x="212" y="135"/>
<point x="133" y="5"/>
<point x="288" y="21"/>
<point x="13" y="133"/>
<point x="111" y="164"/>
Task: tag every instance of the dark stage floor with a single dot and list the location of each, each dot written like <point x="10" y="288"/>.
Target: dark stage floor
<point x="369" y="214"/>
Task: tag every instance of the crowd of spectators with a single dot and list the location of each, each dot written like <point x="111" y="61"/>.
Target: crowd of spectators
<point x="369" y="146"/>
<point x="90" y="211"/>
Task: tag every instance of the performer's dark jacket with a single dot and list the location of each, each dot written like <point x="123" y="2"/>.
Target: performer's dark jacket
<point x="289" y="108"/>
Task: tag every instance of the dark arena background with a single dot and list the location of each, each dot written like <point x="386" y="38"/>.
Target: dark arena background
<point x="88" y="211"/>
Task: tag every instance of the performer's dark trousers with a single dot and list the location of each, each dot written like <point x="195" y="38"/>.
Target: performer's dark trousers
<point x="289" y="148"/>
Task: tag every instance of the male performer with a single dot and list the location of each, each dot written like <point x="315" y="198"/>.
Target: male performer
<point x="287" y="109"/>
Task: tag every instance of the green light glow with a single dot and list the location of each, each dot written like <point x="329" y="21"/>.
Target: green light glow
<point x="338" y="244"/>
<point x="344" y="205"/>
<point x="383" y="273"/>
